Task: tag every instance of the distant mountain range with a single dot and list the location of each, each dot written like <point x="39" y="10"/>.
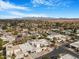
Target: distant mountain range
<point x="47" y="18"/>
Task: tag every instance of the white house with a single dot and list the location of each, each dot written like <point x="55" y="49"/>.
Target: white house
<point x="18" y="53"/>
<point x="68" y="56"/>
<point x="75" y="45"/>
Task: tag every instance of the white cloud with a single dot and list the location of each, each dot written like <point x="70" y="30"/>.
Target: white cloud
<point x="39" y="2"/>
<point x="53" y="3"/>
<point x="27" y="15"/>
<point x="7" y="5"/>
<point x="8" y="17"/>
<point x="36" y="15"/>
<point x="16" y="14"/>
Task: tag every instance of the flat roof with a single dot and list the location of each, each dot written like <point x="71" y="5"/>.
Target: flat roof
<point x="68" y="56"/>
<point x="75" y="44"/>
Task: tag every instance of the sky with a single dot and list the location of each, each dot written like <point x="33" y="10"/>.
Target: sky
<point x="39" y="8"/>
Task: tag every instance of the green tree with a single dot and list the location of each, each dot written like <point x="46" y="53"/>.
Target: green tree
<point x="46" y="57"/>
<point x="13" y="56"/>
<point x="1" y="57"/>
<point x="1" y="44"/>
<point x="74" y="30"/>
